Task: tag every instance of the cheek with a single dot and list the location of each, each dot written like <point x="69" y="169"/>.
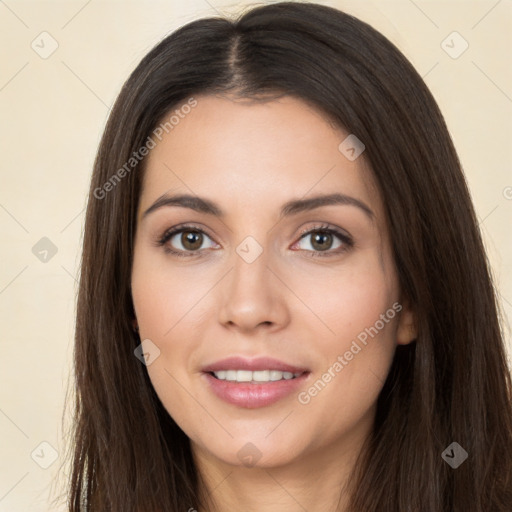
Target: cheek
<point x="170" y="304"/>
<point x="349" y="301"/>
<point x="164" y="297"/>
<point x="361" y="310"/>
<point x="164" y="306"/>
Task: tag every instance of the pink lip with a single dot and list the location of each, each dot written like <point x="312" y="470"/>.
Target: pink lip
<point x="247" y="394"/>
<point x="252" y="396"/>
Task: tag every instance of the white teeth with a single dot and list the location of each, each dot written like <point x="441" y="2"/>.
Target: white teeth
<point x="261" y="376"/>
<point x="276" y="375"/>
<point x="257" y="376"/>
<point x="230" y="375"/>
<point x="243" y="376"/>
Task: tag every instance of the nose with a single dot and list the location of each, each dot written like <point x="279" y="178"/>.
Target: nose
<point x="252" y="297"/>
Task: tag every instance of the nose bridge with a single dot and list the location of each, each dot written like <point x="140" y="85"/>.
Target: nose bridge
<point x="250" y="296"/>
<point x="250" y="276"/>
<point x="252" y="253"/>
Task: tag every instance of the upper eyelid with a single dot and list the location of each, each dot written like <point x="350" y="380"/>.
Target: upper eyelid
<point x="179" y="228"/>
<point x="326" y="227"/>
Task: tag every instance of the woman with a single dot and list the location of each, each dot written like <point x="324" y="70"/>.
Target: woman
<point x="284" y="301"/>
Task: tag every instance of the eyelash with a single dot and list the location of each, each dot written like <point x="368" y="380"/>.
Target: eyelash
<point x="344" y="238"/>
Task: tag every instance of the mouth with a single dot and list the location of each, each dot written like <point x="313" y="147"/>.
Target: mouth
<point x="253" y="383"/>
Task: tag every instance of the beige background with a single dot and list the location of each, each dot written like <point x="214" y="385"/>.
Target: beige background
<point x="53" y="111"/>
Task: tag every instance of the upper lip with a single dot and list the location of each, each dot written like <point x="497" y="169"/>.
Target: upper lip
<point x="256" y="364"/>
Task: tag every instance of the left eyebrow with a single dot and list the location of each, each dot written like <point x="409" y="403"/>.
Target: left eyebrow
<point x="290" y="208"/>
<point x="301" y="205"/>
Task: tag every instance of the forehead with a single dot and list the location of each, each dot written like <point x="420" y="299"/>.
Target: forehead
<point x="254" y="155"/>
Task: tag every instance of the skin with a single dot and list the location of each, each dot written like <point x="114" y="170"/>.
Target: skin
<point x="250" y="158"/>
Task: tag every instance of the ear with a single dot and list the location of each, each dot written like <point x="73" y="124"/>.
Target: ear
<point x="407" y="325"/>
<point x="135" y="325"/>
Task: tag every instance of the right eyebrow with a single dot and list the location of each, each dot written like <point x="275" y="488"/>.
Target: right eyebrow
<point x="196" y="203"/>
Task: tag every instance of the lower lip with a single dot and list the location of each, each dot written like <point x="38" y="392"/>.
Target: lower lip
<point x="252" y="396"/>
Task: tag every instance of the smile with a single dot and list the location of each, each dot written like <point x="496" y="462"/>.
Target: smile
<point x="256" y="376"/>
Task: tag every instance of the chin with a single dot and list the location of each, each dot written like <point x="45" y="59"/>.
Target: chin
<point x="253" y="453"/>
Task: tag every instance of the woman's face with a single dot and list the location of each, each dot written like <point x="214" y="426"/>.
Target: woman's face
<point x="247" y="282"/>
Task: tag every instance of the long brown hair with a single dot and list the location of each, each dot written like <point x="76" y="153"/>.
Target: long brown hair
<point x="451" y="385"/>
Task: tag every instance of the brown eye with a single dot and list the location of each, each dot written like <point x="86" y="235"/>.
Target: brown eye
<point x="321" y="241"/>
<point x="185" y="241"/>
<point x="191" y="240"/>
